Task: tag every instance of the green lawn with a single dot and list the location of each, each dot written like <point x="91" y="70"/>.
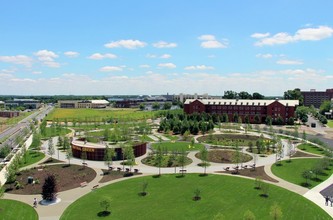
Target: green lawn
<point x="178" y="146"/>
<point x="91" y="115"/>
<point x="171" y="198"/>
<point x="330" y="123"/>
<point x="53" y="132"/>
<point x="171" y="137"/>
<point x="311" y="149"/>
<point x="31" y="158"/>
<point x="11" y="209"/>
<point x="292" y="172"/>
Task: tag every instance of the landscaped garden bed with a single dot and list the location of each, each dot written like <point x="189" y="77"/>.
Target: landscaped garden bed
<point x="257" y="172"/>
<point x="113" y="175"/>
<point x="226" y="156"/>
<point x="68" y="177"/>
<point x="168" y="160"/>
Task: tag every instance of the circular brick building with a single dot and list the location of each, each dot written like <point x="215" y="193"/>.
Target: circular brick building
<point x="96" y="151"/>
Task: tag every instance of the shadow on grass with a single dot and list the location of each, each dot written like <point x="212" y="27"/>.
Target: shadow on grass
<point x="306" y="185"/>
<point x="264" y="195"/>
<point x="103" y="214"/>
<point x="142" y="194"/>
<point x="180" y="176"/>
<point x="157" y="176"/>
<point x="203" y="174"/>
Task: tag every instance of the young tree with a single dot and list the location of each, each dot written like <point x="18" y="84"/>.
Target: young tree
<point x="204" y="158"/>
<point x="182" y="159"/>
<point x="66" y="143"/>
<point x="50" y="148"/>
<point x="236" y="156"/>
<point x="60" y="143"/>
<point x="144" y="188"/>
<point x="248" y="215"/>
<point x="69" y="155"/>
<point x="108" y="155"/>
<point x="304" y="136"/>
<point x="50" y="188"/>
<point x="105" y="205"/>
<point x="307" y="174"/>
<point x="159" y="158"/>
<point x="83" y="157"/>
<point x="275" y="212"/>
<point x="290" y="149"/>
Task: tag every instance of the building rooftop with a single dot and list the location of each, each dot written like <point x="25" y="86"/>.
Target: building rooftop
<point x="249" y="102"/>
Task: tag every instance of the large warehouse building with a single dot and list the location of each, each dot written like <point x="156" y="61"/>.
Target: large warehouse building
<point x="244" y="108"/>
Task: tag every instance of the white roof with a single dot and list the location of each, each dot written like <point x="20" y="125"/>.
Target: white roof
<point x="1" y="102"/>
<point x="99" y="102"/>
<point x="258" y="102"/>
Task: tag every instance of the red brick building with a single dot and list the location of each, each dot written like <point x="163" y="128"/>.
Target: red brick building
<point x="243" y="108"/>
<point x="316" y="98"/>
<point x="9" y="114"/>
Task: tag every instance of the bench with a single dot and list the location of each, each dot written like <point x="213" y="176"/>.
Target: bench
<point x="110" y="168"/>
<point x="119" y="169"/>
<point x="226" y="169"/>
<point x="244" y="167"/>
<point x="236" y="167"/>
<point x="127" y="169"/>
<point x="136" y="170"/>
<point x="95" y="187"/>
<point x="84" y="164"/>
<point x="182" y="171"/>
<point x="83" y="184"/>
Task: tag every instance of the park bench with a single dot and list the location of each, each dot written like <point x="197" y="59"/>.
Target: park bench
<point x="119" y="169"/>
<point x="253" y="166"/>
<point x="236" y="167"/>
<point x="110" y="168"/>
<point x="127" y="169"/>
<point x="226" y="168"/>
<point x="244" y="167"/>
<point x="182" y="171"/>
<point x="136" y="170"/>
<point x="83" y="184"/>
<point x="84" y="164"/>
<point x="95" y="187"/>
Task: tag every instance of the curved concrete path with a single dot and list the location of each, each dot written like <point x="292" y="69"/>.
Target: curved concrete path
<point x="67" y="197"/>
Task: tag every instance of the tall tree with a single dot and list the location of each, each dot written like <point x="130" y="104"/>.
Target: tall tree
<point x="230" y="94"/>
<point x="244" y="95"/>
<point x="294" y="95"/>
<point x="257" y="95"/>
<point x="69" y="155"/>
<point x="50" y="188"/>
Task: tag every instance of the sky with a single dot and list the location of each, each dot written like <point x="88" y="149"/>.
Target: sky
<point x="147" y="47"/>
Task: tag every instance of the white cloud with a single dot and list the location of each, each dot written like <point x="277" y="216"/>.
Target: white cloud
<point x="265" y="56"/>
<point x="71" y="54"/>
<point x="47" y="58"/>
<point x="144" y="66"/>
<point x="98" y="56"/>
<point x="163" y="44"/>
<point x="36" y="72"/>
<point x="165" y="56"/>
<point x="199" y="67"/>
<point x="206" y="37"/>
<point x="305" y="34"/>
<point x="18" y="59"/>
<point x="209" y="42"/>
<point x="289" y="62"/>
<point x="260" y="35"/>
<point x="167" y="65"/>
<point x="111" y="69"/>
<point x="129" y="44"/>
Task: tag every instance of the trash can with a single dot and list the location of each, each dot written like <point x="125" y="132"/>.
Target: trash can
<point x="30" y="179"/>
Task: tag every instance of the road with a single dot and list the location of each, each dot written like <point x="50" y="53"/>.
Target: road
<point x="18" y="129"/>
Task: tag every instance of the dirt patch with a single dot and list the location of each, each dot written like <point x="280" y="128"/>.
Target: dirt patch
<point x="302" y="154"/>
<point x="68" y="177"/>
<point x="225" y="156"/>
<point x="113" y="175"/>
<point x="51" y="160"/>
<point x="250" y="172"/>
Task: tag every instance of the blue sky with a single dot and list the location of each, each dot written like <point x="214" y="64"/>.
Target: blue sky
<point x="158" y="47"/>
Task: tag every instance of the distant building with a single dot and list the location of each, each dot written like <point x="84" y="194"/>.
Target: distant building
<point x="316" y="98"/>
<point x="2" y="104"/>
<point x="9" y="114"/>
<point x="83" y="103"/>
<point x="26" y="103"/>
<point x="183" y="97"/>
<point x="244" y="108"/>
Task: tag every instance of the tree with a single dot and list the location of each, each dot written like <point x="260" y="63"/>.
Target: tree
<point x="244" y="95"/>
<point x="307" y="174"/>
<point x="69" y="155"/>
<point x="257" y="95"/>
<point x="106" y="134"/>
<point x="50" y="188"/>
<point x="142" y="106"/>
<point x="248" y="215"/>
<point x="236" y="156"/>
<point x="66" y="143"/>
<point x="290" y="149"/>
<point x="50" y="148"/>
<point x="108" y="155"/>
<point x="204" y="158"/>
<point x="159" y="158"/>
<point x="105" y="205"/>
<point x="275" y="212"/>
<point x="325" y="107"/>
<point x="83" y="157"/>
<point x="294" y="95"/>
<point x="156" y="106"/>
<point x="167" y="106"/>
<point x="10" y="173"/>
<point x="144" y="188"/>
<point x="230" y="94"/>
<point x="60" y="143"/>
<point x="304" y="136"/>
<point x="182" y="159"/>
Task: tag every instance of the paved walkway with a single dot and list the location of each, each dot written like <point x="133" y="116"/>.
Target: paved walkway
<point x="67" y="197"/>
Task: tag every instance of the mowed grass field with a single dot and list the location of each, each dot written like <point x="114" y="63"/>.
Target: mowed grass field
<point x="178" y="146"/>
<point x="92" y="115"/>
<point x="172" y="198"/>
<point x="292" y="171"/>
<point x="11" y="209"/>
